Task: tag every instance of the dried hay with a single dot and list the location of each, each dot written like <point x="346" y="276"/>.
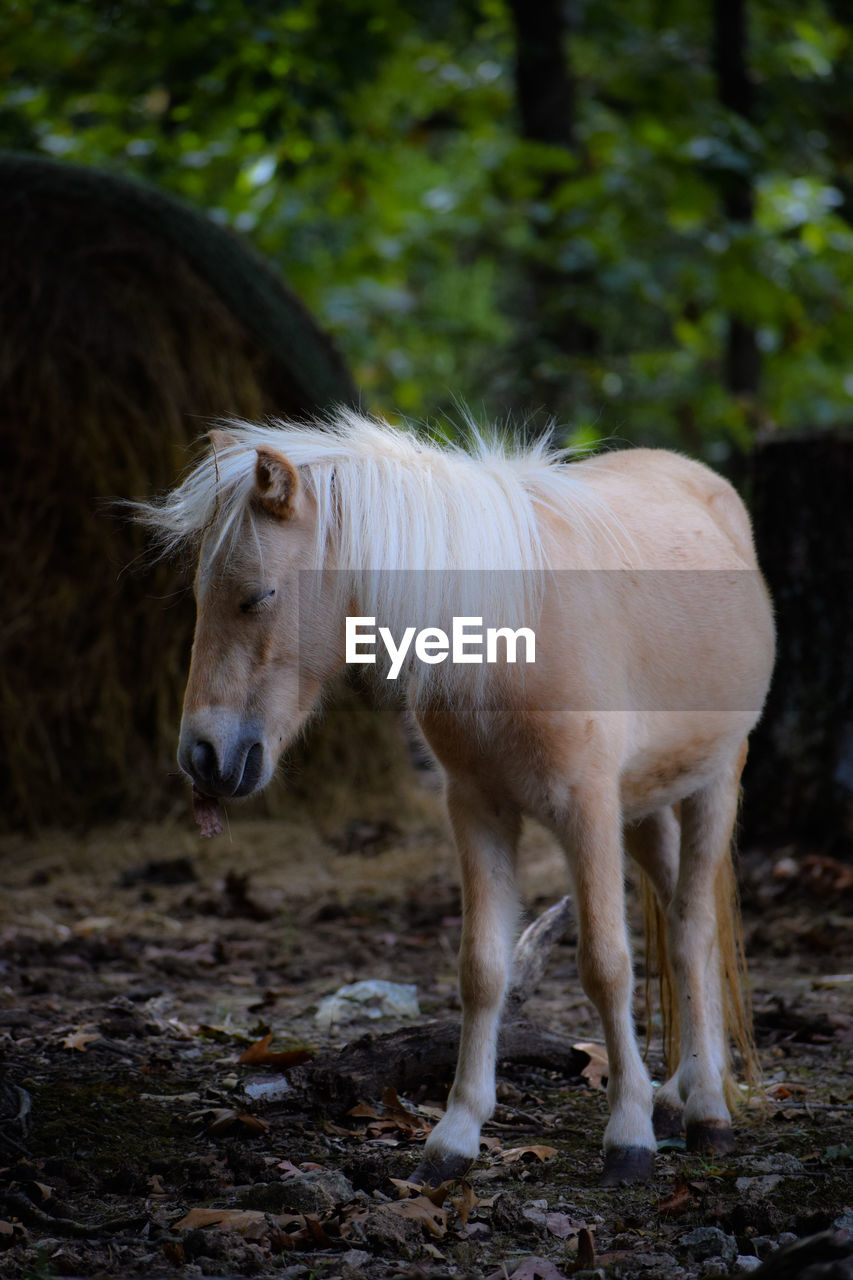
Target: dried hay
<point x="126" y="323"/>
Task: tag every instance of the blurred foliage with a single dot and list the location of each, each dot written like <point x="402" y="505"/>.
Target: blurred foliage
<point x="372" y="150"/>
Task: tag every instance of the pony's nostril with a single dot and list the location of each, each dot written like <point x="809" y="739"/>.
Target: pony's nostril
<point x="204" y="760"/>
<point x="252" y="769"/>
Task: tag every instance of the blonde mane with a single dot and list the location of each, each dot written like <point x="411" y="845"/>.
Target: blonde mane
<point x="465" y="520"/>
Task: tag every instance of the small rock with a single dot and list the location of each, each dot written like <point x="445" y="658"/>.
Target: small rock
<point x="712" y="1244"/>
<point x="267" y="1090"/>
<point x="476" y="1231"/>
<point x="763" y="1246"/>
<point x="756" y="1187"/>
<point x="713" y="1267"/>
<point x="354" y="1259"/>
<point x="332" y="1180"/>
<point x="746" y="1262"/>
<point x="316" y="1193"/>
<point x="787" y="1237"/>
<point x="655" y="1264"/>
<point x="372" y="998"/>
<point x="392" y="1235"/>
<point x="781" y="1162"/>
<point x="509" y="1216"/>
<point x="536" y="1216"/>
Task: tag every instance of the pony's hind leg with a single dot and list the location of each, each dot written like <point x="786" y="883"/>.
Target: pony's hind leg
<point x="654" y="843"/>
<point x="486" y="833"/>
<point x="694" y="931"/>
<point x="593" y="841"/>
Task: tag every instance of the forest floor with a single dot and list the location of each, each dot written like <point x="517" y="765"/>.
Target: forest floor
<point x="138" y="965"/>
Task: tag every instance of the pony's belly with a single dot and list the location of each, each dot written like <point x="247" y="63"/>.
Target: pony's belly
<point x="679" y="759"/>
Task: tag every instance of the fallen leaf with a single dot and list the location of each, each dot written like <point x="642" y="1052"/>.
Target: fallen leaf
<point x="405" y="1189"/>
<point x="223" y="1219"/>
<point x="80" y="1039"/>
<point x="394" y="1116"/>
<point x="394" y="1107"/>
<point x="221" y="1119"/>
<point x="432" y="1218"/>
<point x="363" y="1109"/>
<point x="586" y="1249"/>
<point x="597" y="1069"/>
<point x="679" y="1200"/>
<point x="465" y="1202"/>
<point x="541" y="1153"/>
<point x="260" y="1053"/>
<point x="785" y="1089"/>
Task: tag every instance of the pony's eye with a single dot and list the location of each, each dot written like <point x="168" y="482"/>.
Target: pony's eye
<point x="257" y="602"/>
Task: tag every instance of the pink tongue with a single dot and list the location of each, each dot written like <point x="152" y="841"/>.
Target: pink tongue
<point x="207" y="814"/>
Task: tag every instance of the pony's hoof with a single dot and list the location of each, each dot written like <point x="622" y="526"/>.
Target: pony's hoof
<point x="627" y="1165"/>
<point x="713" y="1137"/>
<point x="668" y="1121"/>
<point x="435" y="1170"/>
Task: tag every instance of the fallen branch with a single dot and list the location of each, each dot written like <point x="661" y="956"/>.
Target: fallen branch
<point x="423" y="1057"/>
<point x="533" y="950"/>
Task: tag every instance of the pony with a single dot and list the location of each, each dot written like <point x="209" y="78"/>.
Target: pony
<point x="655" y="640"/>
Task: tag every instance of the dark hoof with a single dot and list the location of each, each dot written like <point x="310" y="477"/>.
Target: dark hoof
<point x="626" y="1165"/>
<point x="713" y="1137"/>
<point x="435" y="1170"/>
<point x="668" y="1121"/>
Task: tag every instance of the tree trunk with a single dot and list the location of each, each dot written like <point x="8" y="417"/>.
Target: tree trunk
<point x="545" y="99"/>
<point x="543" y="85"/>
<point x="798" y="786"/>
<point x="742" y="359"/>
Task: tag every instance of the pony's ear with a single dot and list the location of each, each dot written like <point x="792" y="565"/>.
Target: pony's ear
<point x="276" y="483"/>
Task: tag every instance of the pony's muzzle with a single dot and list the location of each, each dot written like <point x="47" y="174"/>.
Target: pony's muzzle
<point x="221" y="763"/>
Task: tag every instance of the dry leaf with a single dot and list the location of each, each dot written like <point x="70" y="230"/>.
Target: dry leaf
<point x="679" y="1200"/>
<point x="223" y="1219"/>
<point x="405" y="1189"/>
<point x="394" y="1116"/>
<point x="221" y="1119"/>
<point x="260" y="1054"/>
<point x="465" y="1202"/>
<point x="363" y="1109"/>
<point x="597" y="1069"/>
<point x="432" y="1218"/>
<point x="561" y="1225"/>
<point x="586" y="1249"/>
<point x="81" y="1038"/>
<point x="521" y="1153"/>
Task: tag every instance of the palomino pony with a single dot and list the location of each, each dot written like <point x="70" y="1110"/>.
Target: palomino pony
<point x="636" y="572"/>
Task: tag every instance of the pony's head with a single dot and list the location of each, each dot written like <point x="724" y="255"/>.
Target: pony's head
<point x="253" y="680"/>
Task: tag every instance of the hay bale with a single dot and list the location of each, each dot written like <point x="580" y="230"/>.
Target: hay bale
<point x="127" y="321"/>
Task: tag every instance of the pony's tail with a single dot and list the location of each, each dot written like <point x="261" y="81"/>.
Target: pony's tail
<point x="657" y="966"/>
<point x="734" y="982"/>
<point x="734" y="990"/>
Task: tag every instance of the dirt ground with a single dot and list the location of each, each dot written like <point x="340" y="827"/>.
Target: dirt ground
<point x="138" y="965"/>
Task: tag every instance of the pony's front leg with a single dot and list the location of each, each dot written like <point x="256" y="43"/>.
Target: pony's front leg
<point x="593" y="841"/>
<point x="486" y="831"/>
